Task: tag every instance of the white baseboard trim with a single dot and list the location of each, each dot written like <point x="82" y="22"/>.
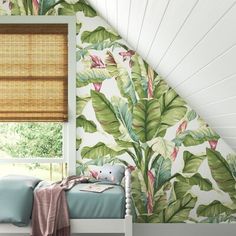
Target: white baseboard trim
<point x="180" y="230"/>
<point x="185" y="229"/>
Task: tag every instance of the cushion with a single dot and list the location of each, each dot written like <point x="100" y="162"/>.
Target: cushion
<point x="16" y="199"/>
<point x="107" y="173"/>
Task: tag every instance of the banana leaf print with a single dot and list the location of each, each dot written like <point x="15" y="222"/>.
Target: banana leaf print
<point x="192" y="162"/>
<point x="122" y="77"/>
<point x="71" y="9"/>
<point x="99" y="150"/>
<point x="177" y="211"/>
<point x="184" y="184"/>
<point x="81" y="102"/>
<point x="106" y="44"/>
<point x="231" y="159"/>
<point x="221" y="172"/>
<point x="91" y="76"/>
<point x="173" y="108"/>
<point x="214" y="209"/>
<point x="105" y="114"/>
<point x="139" y="76"/>
<point x="98" y="35"/>
<point x="21" y="7"/>
<point x="146" y="118"/>
<point x="88" y="125"/>
<point x="150" y="128"/>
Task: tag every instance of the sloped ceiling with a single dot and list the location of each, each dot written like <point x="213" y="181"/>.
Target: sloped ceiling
<point x="192" y="44"/>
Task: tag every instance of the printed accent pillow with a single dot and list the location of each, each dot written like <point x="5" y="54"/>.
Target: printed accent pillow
<point x="112" y="174"/>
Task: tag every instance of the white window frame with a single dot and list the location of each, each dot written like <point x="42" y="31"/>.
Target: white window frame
<point x="69" y="128"/>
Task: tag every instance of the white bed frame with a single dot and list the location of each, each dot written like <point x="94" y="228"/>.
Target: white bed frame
<point x="104" y="226"/>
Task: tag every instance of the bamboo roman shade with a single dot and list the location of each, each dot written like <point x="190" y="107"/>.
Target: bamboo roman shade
<point x="33" y="72"/>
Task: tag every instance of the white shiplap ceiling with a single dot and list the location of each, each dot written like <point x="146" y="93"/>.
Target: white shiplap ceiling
<point x="191" y="44"/>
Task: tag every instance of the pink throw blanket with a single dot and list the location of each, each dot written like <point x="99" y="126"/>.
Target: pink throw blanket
<point x="50" y="215"/>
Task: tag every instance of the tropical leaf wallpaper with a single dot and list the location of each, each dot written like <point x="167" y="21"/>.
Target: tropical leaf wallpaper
<point x="181" y="170"/>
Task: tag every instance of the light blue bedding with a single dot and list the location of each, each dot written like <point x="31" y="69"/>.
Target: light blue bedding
<point x="89" y="205"/>
<point x="16" y="201"/>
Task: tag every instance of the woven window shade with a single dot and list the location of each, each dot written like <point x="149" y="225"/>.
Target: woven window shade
<point x="33" y="72"/>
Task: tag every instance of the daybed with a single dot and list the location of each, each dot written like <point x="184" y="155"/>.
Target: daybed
<point x="107" y="212"/>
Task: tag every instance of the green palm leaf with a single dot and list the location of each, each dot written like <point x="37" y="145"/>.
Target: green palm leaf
<point x="192" y="162"/>
<point x="98" y="35"/>
<point x="160" y="201"/>
<point x="221" y="172"/>
<point x="231" y="159"/>
<point x="19" y="7"/>
<point x="146" y="118"/>
<point x="105" y="114"/>
<point x="88" y="125"/>
<point x="45" y="6"/>
<point x="214" y="209"/>
<point x="139" y="76"/>
<point x="99" y="47"/>
<point x="139" y="192"/>
<point x="91" y="76"/>
<point x="160" y="87"/>
<point x="81" y="102"/>
<point x="173" y="108"/>
<point x="162" y="169"/>
<point x="199" y="136"/>
<point x="122" y="77"/>
<point x="67" y="9"/>
<point x="183" y="184"/>
<point x="178" y="211"/>
<point x="161" y="146"/>
<point x="100" y="150"/>
<point x="124" y="115"/>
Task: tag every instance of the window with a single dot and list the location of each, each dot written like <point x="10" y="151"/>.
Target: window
<point x="37" y="93"/>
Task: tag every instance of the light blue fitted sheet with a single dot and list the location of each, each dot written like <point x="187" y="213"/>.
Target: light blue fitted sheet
<point x="90" y="205"/>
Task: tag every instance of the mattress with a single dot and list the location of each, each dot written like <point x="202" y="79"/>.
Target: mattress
<point x="109" y="204"/>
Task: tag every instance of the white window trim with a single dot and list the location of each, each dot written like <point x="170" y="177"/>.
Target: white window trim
<point x="69" y="128"/>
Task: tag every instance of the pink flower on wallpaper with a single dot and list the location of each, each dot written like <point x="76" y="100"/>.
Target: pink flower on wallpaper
<point x="149" y="203"/>
<point x="213" y="144"/>
<point x="97" y="62"/>
<point x="151" y="181"/>
<point x="97" y="86"/>
<point x="174" y="153"/>
<point x="127" y="55"/>
<point x="182" y="127"/>
<point x="151" y="178"/>
<point x="150" y="88"/>
<point x="35" y="7"/>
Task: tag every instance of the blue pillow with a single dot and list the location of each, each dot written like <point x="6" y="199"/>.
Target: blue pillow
<point x="16" y="199"/>
<point x="112" y="174"/>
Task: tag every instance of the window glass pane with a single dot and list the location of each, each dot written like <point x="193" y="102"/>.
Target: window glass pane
<point x="47" y="171"/>
<point x="30" y="139"/>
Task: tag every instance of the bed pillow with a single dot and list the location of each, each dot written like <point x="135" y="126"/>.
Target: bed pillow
<point x="108" y="173"/>
<point x="16" y="199"/>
